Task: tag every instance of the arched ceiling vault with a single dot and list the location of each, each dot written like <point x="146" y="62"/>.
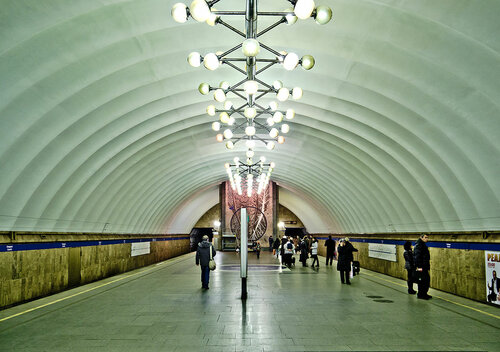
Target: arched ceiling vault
<point x="102" y="127"/>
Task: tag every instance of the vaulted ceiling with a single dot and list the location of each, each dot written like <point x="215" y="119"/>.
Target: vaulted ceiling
<point x="102" y="127"/>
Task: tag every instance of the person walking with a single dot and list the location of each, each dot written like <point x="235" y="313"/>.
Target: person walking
<point x="202" y="258"/>
<point x="276" y="247"/>
<point x="288" y="253"/>
<point x="271" y="240"/>
<point x="330" y="250"/>
<point x="409" y="266"/>
<point x="422" y="264"/>
<point x="314" y="253"/>
<point x="257" y="249"/>
<point x="345" y="258"/>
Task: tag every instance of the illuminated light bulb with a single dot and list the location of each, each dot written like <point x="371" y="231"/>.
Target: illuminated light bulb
<point x="307" y="62"/>
<point x="285" y="128"/>
<point x="229" y="145"/>
<point x="250" y="112"/>
<point x="194" y="59"/>
<point x="281" y="139"/>
<point x="219" y="137"/>
<point x="250" y="153"/>
<point x="278" y="117"/>
<point x="211" y="61"/>
<point x="297" y="93"/>
<point x="219" y="95"/>
<point x="228" y="134"/>
<point x="277" y="84"/>
<point x="270" y="145"/>
<point x="273" y="105"/>
<point x="204" y="88"/>
<point x="250" y="143"/>
<point x="273" y="133"/>
<point x="179" y="12"/>
<point x="199" y="10"/>
<point x="304" y="8"/>
<point x="212" y="18"/>
<point x="291" y="18"/>
<point x="236" y="160"/>
<point x="290" y="114"/>
<point x="250" y="130"/>
<point x="270" y="121"/>
<point x="227" y="165"/>
<point x="231" y="121"/>
<point x="224" y="117"/>
<point x="273" y="165"/>
<point x="216" y="125"/>
<point x="323" y="14"/>
<point x="263" y="159"/>
<point x="251" y="87"/>
<point x="211" y="110"/>
<point x="283" y="94"/>
<point x="291" y="61"/>
<point x="224" y="85"/>
<point x="250" y="47"/>
<point x="228" y="105"/>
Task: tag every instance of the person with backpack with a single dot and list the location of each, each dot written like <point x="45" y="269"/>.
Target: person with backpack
<point x="202" y="258"/>
<point x="288" y="253"/>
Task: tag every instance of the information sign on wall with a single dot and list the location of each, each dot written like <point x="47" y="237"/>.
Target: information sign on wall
<point x="492" y="279"/>
<point x="382" y="251"/>
<point x="140" y="248"/>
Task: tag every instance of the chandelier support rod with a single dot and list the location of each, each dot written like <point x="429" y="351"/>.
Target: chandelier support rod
<point x="283" y="20"/>
<point x="227" y="25"/>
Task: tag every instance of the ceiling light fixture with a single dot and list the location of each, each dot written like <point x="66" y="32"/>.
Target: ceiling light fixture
<point x="240" y="172"/>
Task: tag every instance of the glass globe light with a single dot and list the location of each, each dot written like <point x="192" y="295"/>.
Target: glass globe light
<point x="199" y="10"/>
<point x="277" y="84"/>
<point x="250" y="130"/>
<point x="224" y="117"/>
<point x="211" y="110"/>
<point x="212" y="18"/>
<point x="283" y="94"/>
<point x="250" y="153"/>
<point x="285" y="128"/>
<point x="194" y="59"/>
<point x="307" y="62"/>
<point x="273" y="105"/>
<point x="273" y="133"/>
<point x="273" y="165"/>
<point x="297" y="93"/>
<point x="236" y="160"/>
<point x="250" y="143"/>
<point x="291" y="18"/>
<point x="204" y="88"/>
<point x="290" y="114"/>
<point x="228" y="134"/>
<point x="216" y="125"/>
<point x="270" y="121"/>
<point x="270" y="145"/>
<point x="179" y="12"/>
<point x="211" y="61"/>
<point x="219" y="137"/>
<point x="323" y="14"/>
<point x="228" y="105"/>
<point x="219" y="95"/>
<point x="304" y="8"/>
<point x="278" y="117"/>
<point x="250" y="47"/>
<point x="227" y="165"/>
<point x="224" y="85"/>
<point x="281" y="139"/>
<point x="291" y="61"/>
<point x="250" y="112"/>
<point x="251" y="87"/>
<point x="249" y="162"/>
<point x="231" y="121"/>
<point x="229" y="145"/>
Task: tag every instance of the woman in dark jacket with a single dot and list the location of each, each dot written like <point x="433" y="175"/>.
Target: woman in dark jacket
<point x="344" y="259"/>
<point x="303" y="252"/>
<point x="409" y="266"/>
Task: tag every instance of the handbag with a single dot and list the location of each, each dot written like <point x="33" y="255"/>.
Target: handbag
<point x="211" y="262"/>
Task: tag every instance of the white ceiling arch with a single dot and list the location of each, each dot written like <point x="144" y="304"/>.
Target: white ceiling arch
<point x="101" y="126"/>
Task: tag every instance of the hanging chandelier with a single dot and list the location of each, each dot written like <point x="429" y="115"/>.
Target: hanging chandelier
<point x="250" y="121"/>
<point x="244" y="173"/>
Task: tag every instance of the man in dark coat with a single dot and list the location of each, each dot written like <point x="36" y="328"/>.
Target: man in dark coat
<point x="330" y="249"/>
<point x="345" y="258"/>
<point x="202" y="258"/>
<point x="422" y="263"/>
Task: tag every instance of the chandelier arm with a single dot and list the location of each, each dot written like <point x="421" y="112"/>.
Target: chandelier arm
<point x="233" y="66"/>
<point x="265" y="92"/>
<point x="283" y="20"/>
<point x="238" y="94"/>
<point x="212" y="3"/>
<point x="263" y="126"/>
<point x="231" y="13"/>
<point x="266" y="67"/>
<point x="230" y="50"/>
<point x="264" y="84"/>
<point x="270" y="50"/>
<point x="235" y="59"/>
<point x="274" y="13"/>
<point x="227" y="25"/>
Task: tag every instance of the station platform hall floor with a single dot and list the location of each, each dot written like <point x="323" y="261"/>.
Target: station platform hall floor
<point x="163" y="308"/>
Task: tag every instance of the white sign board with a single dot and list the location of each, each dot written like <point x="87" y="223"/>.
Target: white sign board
<point x="492" y="280"/>
<point x="140" y="248"/>
<point x="382" y="251"/>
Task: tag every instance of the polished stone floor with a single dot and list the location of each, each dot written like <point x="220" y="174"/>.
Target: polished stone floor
<point x="163" y="308"/>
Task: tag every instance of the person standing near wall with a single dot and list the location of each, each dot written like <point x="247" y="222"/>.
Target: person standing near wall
<point x="202" y="258"/>
<point x="422" y="264"/>
<point x="345" y="258"/>
<point x="330" y="249"/>
<point x="271" y="240"/>
<point x="409" y="266"/>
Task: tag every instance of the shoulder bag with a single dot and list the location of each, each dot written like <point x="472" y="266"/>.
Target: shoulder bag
<point x="211" y="262"/>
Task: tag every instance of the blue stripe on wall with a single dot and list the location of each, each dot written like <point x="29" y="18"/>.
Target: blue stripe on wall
<point x="450" y="245"/>
<point x="51" y="245"/>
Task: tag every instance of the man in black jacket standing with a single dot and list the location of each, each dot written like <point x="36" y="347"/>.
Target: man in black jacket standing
<point x="330" y="249"/>
<point x="203" y="257"/>
<point x="422" y="264"/>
